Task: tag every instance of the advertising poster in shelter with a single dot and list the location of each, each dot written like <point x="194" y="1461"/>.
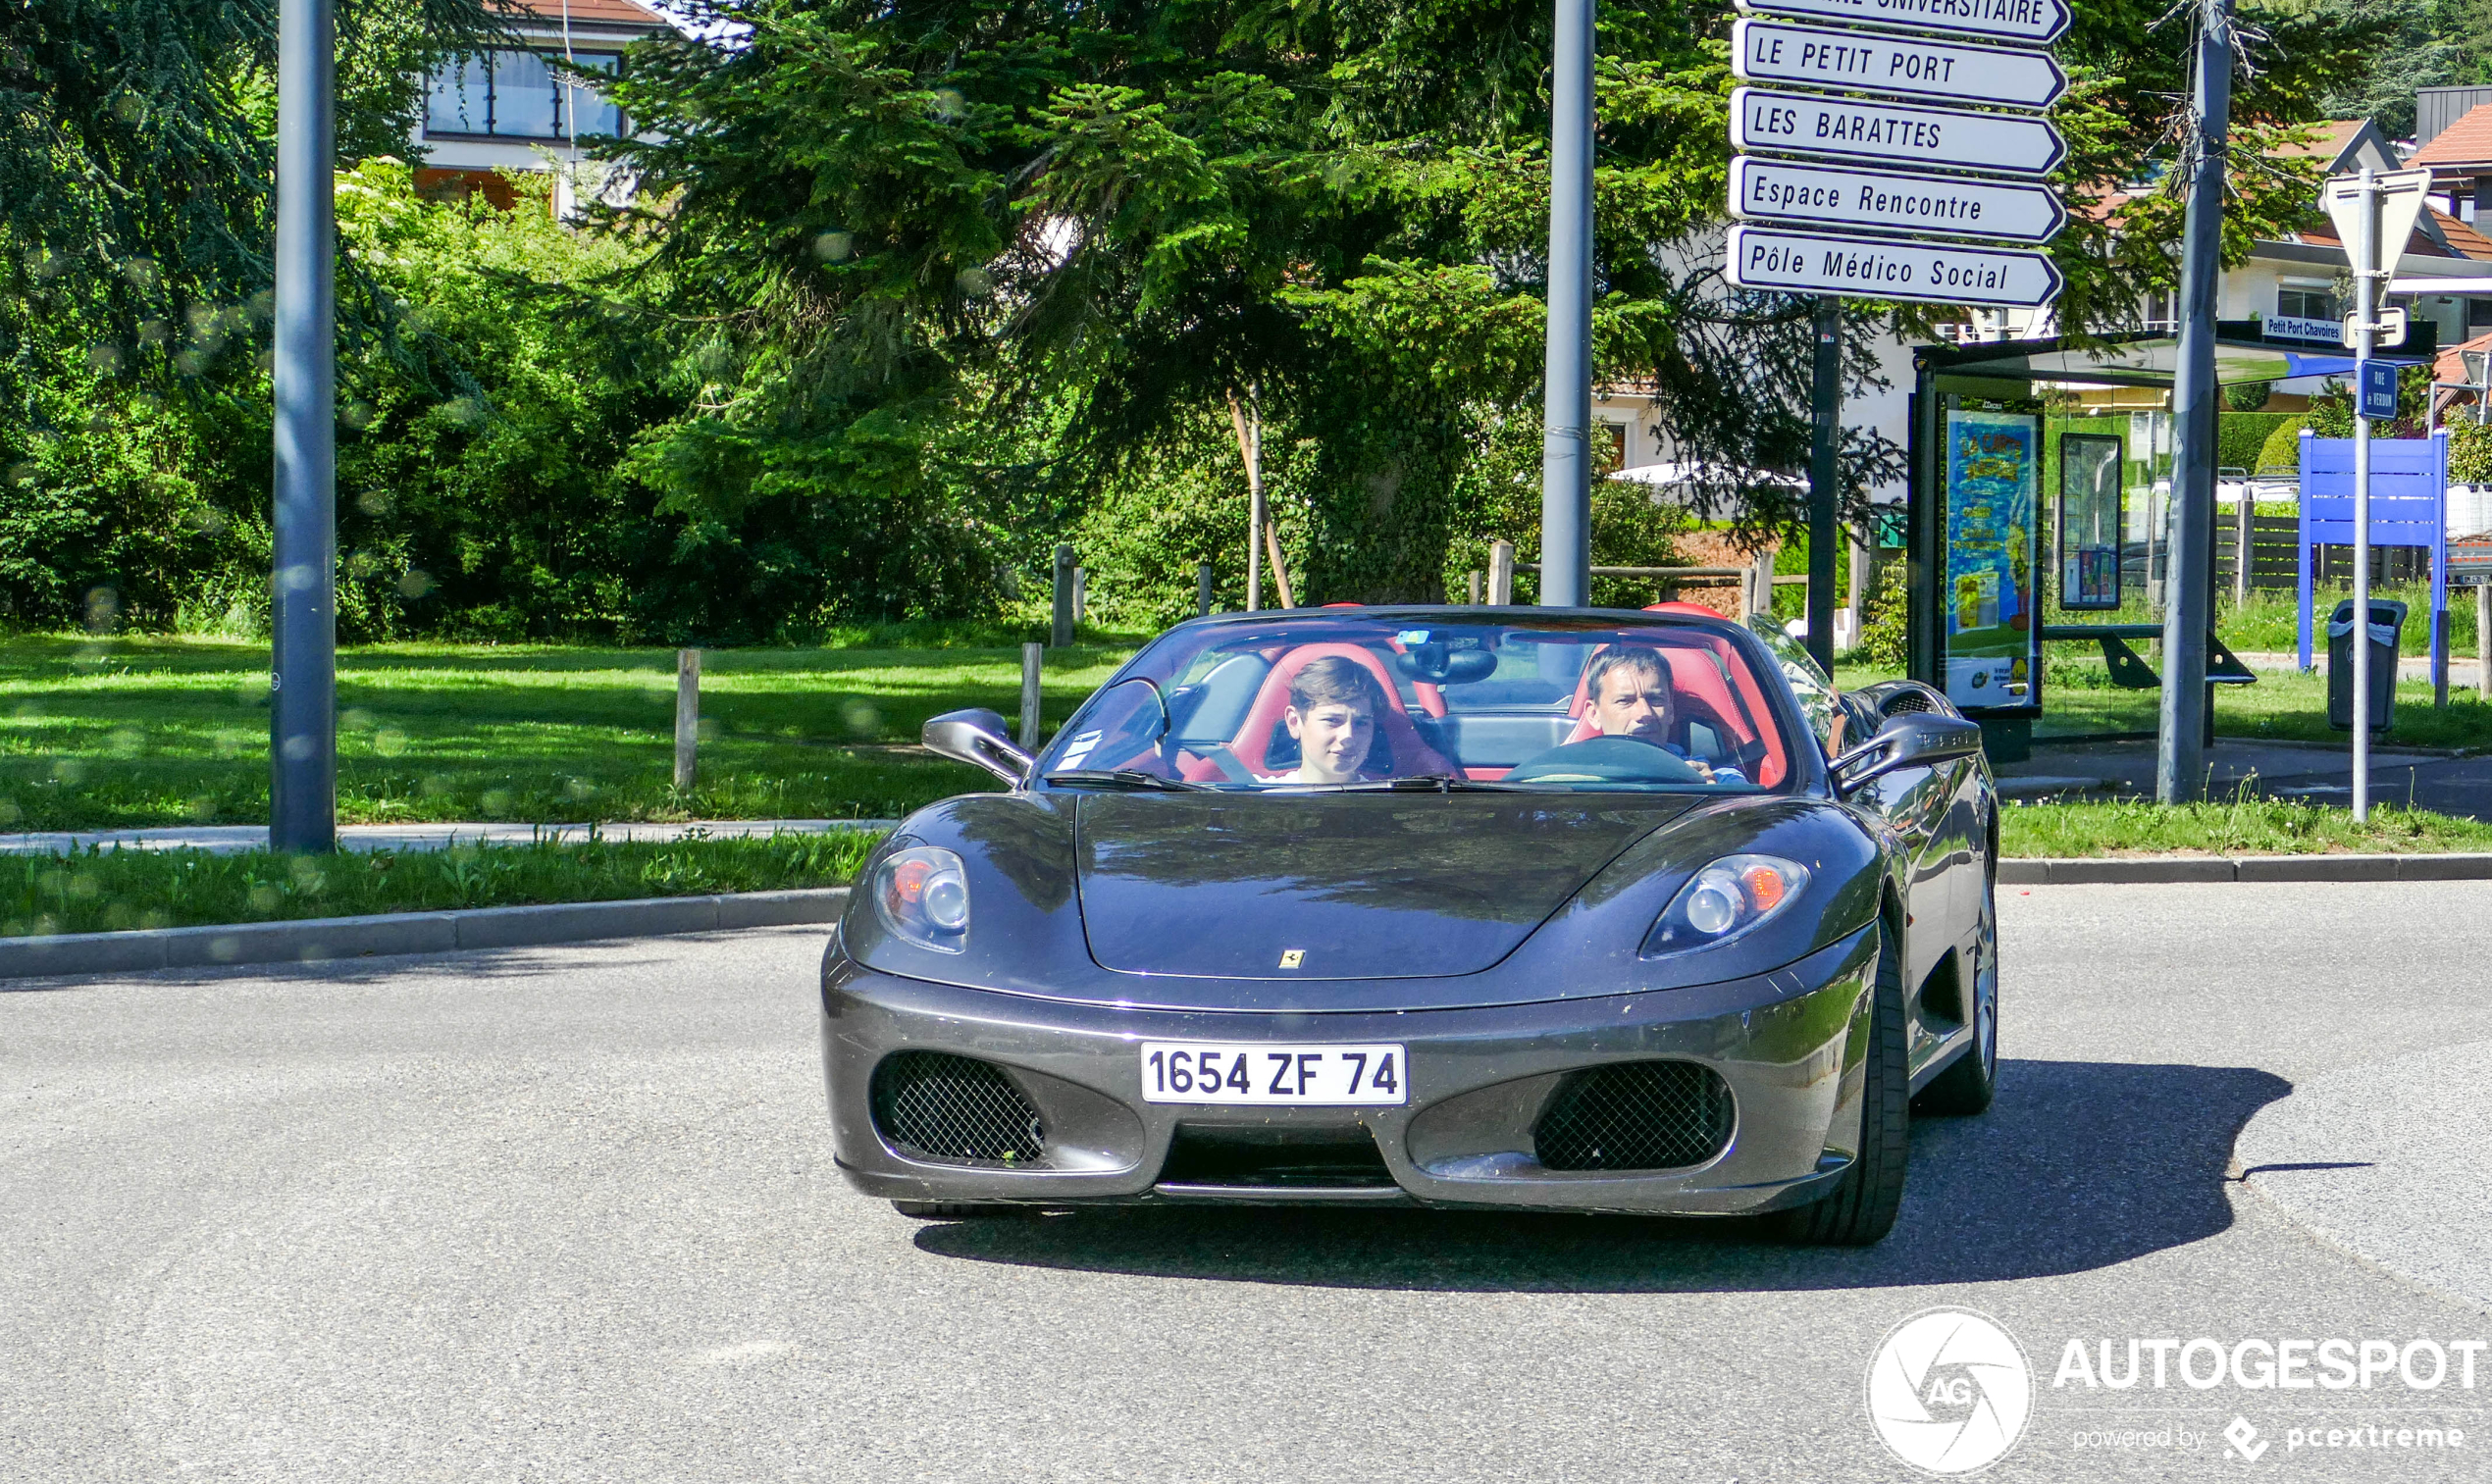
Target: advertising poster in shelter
<point x="2089" y="522"/>
<point x="1992" y="468"/>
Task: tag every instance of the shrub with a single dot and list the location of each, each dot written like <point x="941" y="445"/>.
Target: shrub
<point x="1883" y="636"/>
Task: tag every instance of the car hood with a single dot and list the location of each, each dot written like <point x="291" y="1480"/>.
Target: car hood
<point x="1355" y="885"/>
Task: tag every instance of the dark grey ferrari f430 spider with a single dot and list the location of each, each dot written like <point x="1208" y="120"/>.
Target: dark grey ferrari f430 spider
<point x="1560" y="910"/>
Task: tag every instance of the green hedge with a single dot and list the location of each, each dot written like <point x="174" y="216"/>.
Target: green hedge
<point x="2241" y="438"/>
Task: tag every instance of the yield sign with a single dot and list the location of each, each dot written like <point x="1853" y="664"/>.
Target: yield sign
<point x="2401" y="194"/>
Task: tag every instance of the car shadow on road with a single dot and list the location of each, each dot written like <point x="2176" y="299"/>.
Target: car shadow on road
<point x="2079" y="1165"/>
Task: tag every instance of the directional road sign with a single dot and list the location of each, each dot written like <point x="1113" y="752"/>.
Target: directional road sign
<point x="1890" y="133"/>
<point x="1903" y="67"/>
<point x="1841" y="196"/>
<point x="1873" y="267"/>
<point x="2036" y="23"/>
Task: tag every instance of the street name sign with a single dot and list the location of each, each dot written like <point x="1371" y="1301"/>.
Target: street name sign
<point x="2034" y="23"/>
<point x="1820" y="127"/>
<point x="2378" y="391"/>
<point x="1873" y="267"/>
<point x="1837" y="195"/>
<point x="1903" y="67"/>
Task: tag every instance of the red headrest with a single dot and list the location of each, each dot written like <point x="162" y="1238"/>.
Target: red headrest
<point x="1254" y="738"/>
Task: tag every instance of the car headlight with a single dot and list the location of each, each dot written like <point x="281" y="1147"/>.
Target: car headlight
<point x="1724" y="900"/>
<point x="922" y="894"/>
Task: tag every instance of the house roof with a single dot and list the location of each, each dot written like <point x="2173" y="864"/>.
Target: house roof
<point x="2450" y="364"/>
<point x="2336" y="136"/>
<point x="592" y="12"/>
<point x="2464" y="148"/>
<point x="2463" y="239"/>
<point x="2421" y="244"/>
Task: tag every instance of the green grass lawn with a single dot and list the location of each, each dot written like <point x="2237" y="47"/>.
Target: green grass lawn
<point x="2247" y="826"/>
<point x="108" y="891"/>
<point x="126" y="733"/>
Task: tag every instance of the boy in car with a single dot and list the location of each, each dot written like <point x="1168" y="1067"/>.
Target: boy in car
<point x="1332" y="709"/>
<point x="1628" y="695"/>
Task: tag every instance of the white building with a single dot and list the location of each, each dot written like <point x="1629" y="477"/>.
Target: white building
<point x="526" y="109"/>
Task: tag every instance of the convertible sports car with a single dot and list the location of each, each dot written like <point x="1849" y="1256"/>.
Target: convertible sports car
<point x="1523" y="907"/>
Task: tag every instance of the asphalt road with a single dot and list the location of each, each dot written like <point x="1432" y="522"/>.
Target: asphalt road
<point x="569" y="1214"/>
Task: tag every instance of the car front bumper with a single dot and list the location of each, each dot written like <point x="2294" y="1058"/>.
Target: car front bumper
<point x="1788" y="1043"/>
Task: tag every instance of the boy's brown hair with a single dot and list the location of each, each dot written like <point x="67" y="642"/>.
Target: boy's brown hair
<point x="1335" y="679"/>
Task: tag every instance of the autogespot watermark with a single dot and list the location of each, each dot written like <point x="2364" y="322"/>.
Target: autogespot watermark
<point x="1950" y="1392"/>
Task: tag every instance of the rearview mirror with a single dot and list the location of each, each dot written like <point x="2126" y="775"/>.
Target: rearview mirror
<point x="1916" y="738"/>
<point x="977" y="737"/>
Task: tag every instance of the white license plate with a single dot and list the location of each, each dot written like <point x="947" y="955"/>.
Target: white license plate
<point x="1303" y="1076"/>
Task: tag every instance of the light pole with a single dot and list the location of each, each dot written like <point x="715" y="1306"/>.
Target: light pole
<point x="2189" y="563"/>
<point x="302" y="805"/>
<point x="1565" y="460"/>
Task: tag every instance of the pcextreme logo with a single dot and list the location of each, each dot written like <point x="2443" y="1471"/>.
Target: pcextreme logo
<point x="1949" y="1391"/>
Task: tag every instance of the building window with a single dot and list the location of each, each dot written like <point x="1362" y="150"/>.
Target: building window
<point x="520" y="96"/>
<point x="2160" y="311"/>
<point x="1609" y="448"/>
<point x="2301" y="301"/>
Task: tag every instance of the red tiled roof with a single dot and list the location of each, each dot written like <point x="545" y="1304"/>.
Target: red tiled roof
<point x="2461" y="236"/>
<point x="2322" y="234"/>
<point x="2466" y="142"/>
<point x="2333" y="135"/>
<point x="595" y="12"/>
<point x="2450" y="366"/>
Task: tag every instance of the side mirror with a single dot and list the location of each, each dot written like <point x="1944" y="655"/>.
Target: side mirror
<point x="1915" y="739"/>
<point x="977" y="737"/>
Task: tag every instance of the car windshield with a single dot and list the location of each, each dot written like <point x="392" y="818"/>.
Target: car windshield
<point x="1381" y="700"/>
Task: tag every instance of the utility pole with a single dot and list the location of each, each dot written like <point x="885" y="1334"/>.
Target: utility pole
<point x="2180" y="756"/>
<point x="1566" y="445"/>
<point x="1825" y="396"/>
<point x="302" y="717"/>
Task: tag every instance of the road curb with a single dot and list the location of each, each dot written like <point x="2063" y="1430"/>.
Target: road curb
<point x="319" y="938"/>
<point x="2155" y="870"/>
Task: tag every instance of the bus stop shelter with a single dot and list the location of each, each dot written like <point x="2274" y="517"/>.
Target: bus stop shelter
<point x="2037" y="508"/>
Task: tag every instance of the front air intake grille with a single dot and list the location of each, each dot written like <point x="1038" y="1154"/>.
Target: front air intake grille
<point x="1639" y="1115"/>
<point x="954" y="1110"/>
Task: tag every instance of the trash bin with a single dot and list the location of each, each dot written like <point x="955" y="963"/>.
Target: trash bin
<point x="2387" y="625"/>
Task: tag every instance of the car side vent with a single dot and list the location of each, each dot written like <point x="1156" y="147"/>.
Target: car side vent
<point x="1636" y="1115"/>
<point x="1903" y="701"/>
<point x="954" y="1110"/>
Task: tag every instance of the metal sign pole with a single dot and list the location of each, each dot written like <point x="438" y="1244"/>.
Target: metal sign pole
<point x="2367" y="255"/>
<point x="1827" y="399"/>
<point x="1566" y="463"/>
<point x="302" y="805"/>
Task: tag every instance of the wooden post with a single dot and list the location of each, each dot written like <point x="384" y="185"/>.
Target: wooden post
<point x="1081" y="608"/>
<point x="2247" y="523"/>
<point x="687" y="718"/>
<point x="1472" y="586"/>
<point x="1202" y="590"/>
<point x="1060" y="632"/>
<point x="2483" y="639"/>
<point x="1250" y="452"/>
<point x="1031" y="657"/>
<point x="1500" y="574"/>
<point x="1279" y="573"/>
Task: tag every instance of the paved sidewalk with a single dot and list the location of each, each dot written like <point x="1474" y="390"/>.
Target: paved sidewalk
<point x="226" y="840"/>
<point x="2384" y="1161"/>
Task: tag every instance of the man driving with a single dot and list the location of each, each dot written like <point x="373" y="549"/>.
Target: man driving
<point x="1628" y="695"/>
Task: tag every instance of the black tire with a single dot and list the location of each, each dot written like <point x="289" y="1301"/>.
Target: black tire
<point x="955" y="1210"/>
<point x="1862" y="1208"/>
<point x="1971" y="1080"/>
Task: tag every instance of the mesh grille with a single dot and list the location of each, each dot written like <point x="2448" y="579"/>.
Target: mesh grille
<point x="1905" y="702"/>
<point x="1642" y="1115"/>
<point x="955" y="1111"/>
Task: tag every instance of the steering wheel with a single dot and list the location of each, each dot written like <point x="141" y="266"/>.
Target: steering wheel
<point x="1606" y="759"/>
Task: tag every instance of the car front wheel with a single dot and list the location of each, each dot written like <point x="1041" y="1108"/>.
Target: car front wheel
<point x="1862" y="1208"/>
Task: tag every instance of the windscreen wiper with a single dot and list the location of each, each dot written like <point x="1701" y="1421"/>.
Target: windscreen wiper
<point x="1123" y="778"/>
<point x="1434" y="783"/>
